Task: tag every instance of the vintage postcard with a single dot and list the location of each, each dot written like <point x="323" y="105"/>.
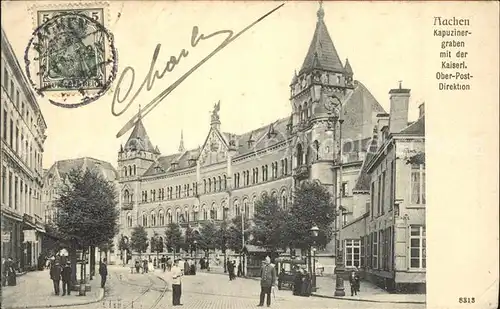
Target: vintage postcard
<point x="241" y="154"/>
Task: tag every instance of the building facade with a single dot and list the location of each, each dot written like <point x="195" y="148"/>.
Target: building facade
<point x="224" y="177"/>
<point x="386" y="237"/>
<point x="56" y="176"/>
<point x="22" y="136"/>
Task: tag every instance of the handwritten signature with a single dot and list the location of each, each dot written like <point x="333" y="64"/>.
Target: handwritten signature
<point x="154" y="74"/>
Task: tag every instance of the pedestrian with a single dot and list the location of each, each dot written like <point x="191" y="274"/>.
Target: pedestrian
<point x="103" y="271"/>
<point x="354" y="281"/>
<point x="4" y="271"/>
<point x="163" y="263"/>
<point x="239" y="270"/>
<point x="267" y="282"/>
<point x="169" y="264"/>
<point x="230" y="270"/>
<point x="11" y="272"/>
<point x="137" y="266"/>
<point x="145" y="265"/>
<point x="66" y="278"/>
<point x="176" y="284"/>
<point x="55" y="275"/>
<point x="297" y="282"/>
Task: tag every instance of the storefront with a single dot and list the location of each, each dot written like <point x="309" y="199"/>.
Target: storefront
<point x="12" y="236"/>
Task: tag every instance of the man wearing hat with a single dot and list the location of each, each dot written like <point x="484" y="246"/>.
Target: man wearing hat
<point x="55" y="275"/>
<point x="66" y="278"/>
<point x="176" y="284"/>
<point x="267" y="281"/>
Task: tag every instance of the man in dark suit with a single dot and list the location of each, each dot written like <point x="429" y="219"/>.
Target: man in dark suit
<point x="55" y="275"/>
<point x="103" y="271"/>
<point x="267" y="281"/>
<point x="66" y="278"/>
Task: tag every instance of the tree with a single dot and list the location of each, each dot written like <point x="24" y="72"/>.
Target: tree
<point x="233" y="236"/>
<point x="173" y="236"/>
<point x="139" y="240"/>
<point x="209" y="239"/>
<point x="107" y="247"/>
<point x="270" y="224"/>
<point x="124" y="246"/>
<point x="87" y="213"/>
<point x="312" y="204"/>
<point x="156" y="244"/>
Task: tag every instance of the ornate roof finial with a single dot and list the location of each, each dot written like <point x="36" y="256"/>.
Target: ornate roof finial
<point x="321" y="12"/>
<point x="400" y="84"/>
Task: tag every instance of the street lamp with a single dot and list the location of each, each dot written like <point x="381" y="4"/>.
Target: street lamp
<point x="312" y="263"/>
<point x="333" y="106"/>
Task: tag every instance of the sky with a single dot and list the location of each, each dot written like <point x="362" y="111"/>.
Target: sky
<point x="250" y="77"/>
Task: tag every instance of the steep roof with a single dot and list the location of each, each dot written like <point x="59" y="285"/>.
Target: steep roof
<point x="415" y="128"/>
<point x="363" y="180"/>
<point x="139" y="138"/>
<point x="322" y="53"/>
<point x="63" y="167"/>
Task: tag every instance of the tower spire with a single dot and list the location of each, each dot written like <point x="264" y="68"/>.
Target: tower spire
<point x="181" y="145"/>
<point x="321" y="12"/>
<point x="139" y="115"/>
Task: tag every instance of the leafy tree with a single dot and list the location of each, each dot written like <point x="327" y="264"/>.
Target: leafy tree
<point x="156" y="244"/>
<point x="87" y="213"/>
<point x="173" y="236"/>
<point x="123" y="246"/>
<point x="208" y="239"/>
<point x="270" y="224"/>
<point x="233" y="236"/>
<point x="139" y="240"/>
<point x="312" y="204"/>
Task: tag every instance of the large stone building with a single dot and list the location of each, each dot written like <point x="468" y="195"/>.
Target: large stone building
<point x="223" y="178"/>
<point x="22" y="137"/>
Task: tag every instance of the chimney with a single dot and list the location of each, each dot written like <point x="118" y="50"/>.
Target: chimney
<point x="421" y="110"/>
<point x="398" y="118"/>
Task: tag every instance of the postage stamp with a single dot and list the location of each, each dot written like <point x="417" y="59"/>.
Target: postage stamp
<point x="71" y="58"/>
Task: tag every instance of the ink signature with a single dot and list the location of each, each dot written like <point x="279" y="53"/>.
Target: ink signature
<point x="154" y="74"/>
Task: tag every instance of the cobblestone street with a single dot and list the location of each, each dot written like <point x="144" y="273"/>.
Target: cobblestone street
<point x="204" y="290"/>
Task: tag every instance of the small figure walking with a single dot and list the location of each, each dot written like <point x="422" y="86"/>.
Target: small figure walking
<point x="354" y="281"/>
<point x="55" y="275"/>
<point x="103" y="271"/>
<point x="66" y="278"/>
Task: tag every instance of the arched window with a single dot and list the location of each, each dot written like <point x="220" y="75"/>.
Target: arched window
<point x="215" y="184"/>
<point x="144" y="219"/>
<point x="316" y="148"/>
<point x="205" y="212"/>
<point x="274" y="195"/>
<point x="213" y="212"/>
<point x="135" y="170"/>
<point x="204" y="186"/>
<point x="224" y="210"/>
<point x="186" y="214"/>
<point x="125" y="171"/>
<point x="246" y="208"/>
<point x="299" y="155"/>
<point x="252" y="210"/>
<point x="286" y="166"/>
<point x="178" y="215"/>
<point x="220" y="184"/>
<point x="306" y="159"/>
<point x="225" y="182"/>
<point x="284" y="199"/>
<point x="130" y="170"/>
<point x="169" y="216"/>
<point x="306" y="111"/>
<point x="126" y="196"/>
<point x="209" y="184"/>
<point x="162" y="218"/>
<point x="153" y="218"/>
<point x="237" y="210"/>
<point x="129" y="219"/>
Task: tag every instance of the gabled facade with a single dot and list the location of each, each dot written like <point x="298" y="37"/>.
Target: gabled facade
<point x="385" y="237"/>
<point x="223" y="177"/>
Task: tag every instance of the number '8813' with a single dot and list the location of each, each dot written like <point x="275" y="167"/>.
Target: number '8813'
<point x="466" y="300"/>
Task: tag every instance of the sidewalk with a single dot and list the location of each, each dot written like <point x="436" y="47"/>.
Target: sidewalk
<point x="35" y="290"/>
<point x="368" y="292"/>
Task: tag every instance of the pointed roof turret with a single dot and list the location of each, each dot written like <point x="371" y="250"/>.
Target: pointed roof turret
<point x="347" y="67"/>
<point x="181" y="144"/>
<point x="322" y="53"/>
<point x="139" y="139"/>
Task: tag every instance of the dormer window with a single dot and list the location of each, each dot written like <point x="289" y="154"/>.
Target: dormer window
<point x="157" y="169"/>
<point x="175" y="165"/>
<point x="192" y="161"/>
<point x="338" y="79"/>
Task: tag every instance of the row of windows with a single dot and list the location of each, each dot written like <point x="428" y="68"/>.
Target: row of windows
<point x="376" y="251"/>
<point x="383" y="197"/>
<point x="162" y="194"/>
<point x="130" y="170"/>
<point x="282" y="168"/>
<point x="214" y="213"/>
<point x="17" y="194"/>
<point x="18" y="140"/>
